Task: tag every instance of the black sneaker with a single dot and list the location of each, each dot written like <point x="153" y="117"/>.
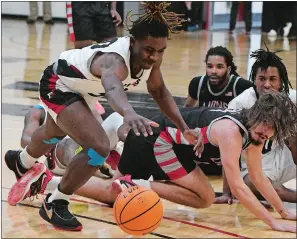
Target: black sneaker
<point x="57" y="214"/>
<point x="12" y="160"/>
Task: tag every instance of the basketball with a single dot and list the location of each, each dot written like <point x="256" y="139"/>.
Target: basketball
<point x="138" y="211"/>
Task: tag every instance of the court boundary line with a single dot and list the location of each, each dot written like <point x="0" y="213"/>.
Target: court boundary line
<point x="164" y="217"/>
<point x="93" y="219"/>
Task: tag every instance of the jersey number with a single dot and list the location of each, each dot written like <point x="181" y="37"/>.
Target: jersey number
<point x="104" y="43"/>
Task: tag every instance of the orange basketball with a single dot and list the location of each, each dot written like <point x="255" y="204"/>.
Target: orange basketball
<point x="138" y="210"/>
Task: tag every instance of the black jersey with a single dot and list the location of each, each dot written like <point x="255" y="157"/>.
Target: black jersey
<point x="200" y="89"/>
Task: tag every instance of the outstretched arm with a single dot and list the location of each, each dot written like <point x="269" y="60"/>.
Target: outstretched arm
<point x="230" y="152"/>
<point x="262" y="183"/>
<point x="112" y="70"/>
<point x="165" y="101"/>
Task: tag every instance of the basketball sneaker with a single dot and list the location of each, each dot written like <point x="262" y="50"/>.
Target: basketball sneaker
<point x="32" y="183"/>
<point x="122" y="183"/>
<point x="57" y="214"/>
<point x="51" y="159"/>
<point x="12" y="160"/>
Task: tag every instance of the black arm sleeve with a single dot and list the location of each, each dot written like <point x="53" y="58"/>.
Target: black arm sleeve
<point x="193" y="87"/>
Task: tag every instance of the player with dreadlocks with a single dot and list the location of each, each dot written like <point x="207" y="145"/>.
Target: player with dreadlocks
<point x="278" y="163"/>
<point x="216" y="88"/>
<point x="75" y="81"/>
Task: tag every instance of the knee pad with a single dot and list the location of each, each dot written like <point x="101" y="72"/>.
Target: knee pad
<point x="53" y="140"/>
<point x="95" y="158"/>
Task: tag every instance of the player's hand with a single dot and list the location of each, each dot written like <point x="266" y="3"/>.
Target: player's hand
<point x="138" y="123"/>
<point x="283" y="227"/>
<point x="224" y="199"/>
<point x="288" y="215"/>
<point x="196" y="139"/>
<point x="116" y="16"/>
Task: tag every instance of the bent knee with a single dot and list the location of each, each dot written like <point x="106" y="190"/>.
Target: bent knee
<point x="205" y="200"/>
<point x="208" y="199"/>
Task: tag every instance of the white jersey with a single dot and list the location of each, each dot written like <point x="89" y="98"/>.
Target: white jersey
<point x="73" y="67"/>
<point x="246" y="100"/>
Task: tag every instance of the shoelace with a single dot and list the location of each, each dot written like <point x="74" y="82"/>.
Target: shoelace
<point x="127" y="184"/>
<point x="35" y="188"/>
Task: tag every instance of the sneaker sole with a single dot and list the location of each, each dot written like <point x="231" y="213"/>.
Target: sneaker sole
<point x="43" y="214"/>
<point x="20" y="188"/>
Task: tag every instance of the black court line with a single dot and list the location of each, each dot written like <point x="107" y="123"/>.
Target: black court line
<point x="95" y="219"/>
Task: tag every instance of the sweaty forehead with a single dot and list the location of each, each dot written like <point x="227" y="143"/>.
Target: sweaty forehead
<point x="157" y="43"/>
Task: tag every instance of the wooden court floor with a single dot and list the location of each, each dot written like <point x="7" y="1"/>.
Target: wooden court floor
<point x="27" y="50"/>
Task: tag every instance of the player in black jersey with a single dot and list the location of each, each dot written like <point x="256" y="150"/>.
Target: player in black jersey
<point x="217" y="88"/>
<point x="220" y="84"/>
<point x="168" y="158"/>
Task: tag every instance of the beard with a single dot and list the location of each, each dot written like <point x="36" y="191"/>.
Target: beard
<point x="222" y="80"/>
<point x="253" y="141"/>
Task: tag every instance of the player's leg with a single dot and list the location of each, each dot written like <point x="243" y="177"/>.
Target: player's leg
<point x="66" y="150"/>
<point x="105" y="28"/>
<point x="83" y="25"/>
<point x="191" y="189"/>
<point x="33" y="119"/>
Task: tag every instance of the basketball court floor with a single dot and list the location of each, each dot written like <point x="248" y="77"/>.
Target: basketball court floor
<point x="28" y="49"/>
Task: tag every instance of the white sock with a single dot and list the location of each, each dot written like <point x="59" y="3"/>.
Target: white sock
<point x="52" y="184"/>
<point x="58" y="195"/>
<point x="143" y="183"/>
<point x="26" y="159"/>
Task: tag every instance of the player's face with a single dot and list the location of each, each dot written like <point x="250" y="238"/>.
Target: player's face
<point x="260" y="133"/>
<point x="149" y="51"/>
<point x="217" y="70"/>
<point x="267" y="80"/>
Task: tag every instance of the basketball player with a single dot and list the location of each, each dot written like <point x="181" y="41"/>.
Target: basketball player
<point x="220" y="84"/>
<point x="278" y="163"/>
<point x="216" y="88"/>
<point x="74" y="81"/>
<point x="170" y="160"/>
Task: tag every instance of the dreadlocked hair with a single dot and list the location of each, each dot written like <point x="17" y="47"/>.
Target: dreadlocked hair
<point x="224" y="52"/>
<point x="156" y="21"/>
<point x="276" y="109"/>
<point x="265" y="59"/>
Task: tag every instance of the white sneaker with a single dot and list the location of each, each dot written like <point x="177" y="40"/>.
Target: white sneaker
<point x="287" y="29"/>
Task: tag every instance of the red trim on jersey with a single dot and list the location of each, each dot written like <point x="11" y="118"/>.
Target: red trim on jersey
<point x="77" y="71"/>
<point x="157" y="145"/>
<point x="178" y="136"/>
<point x="56" y="108"/>
<point x="170" y="161"/>
<point x="53" y="82"/>
<point x="176" y="174"/>
<point x="163" y="152"/>
<point x="203" y="132"/>
<point x="164" y="135"/>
